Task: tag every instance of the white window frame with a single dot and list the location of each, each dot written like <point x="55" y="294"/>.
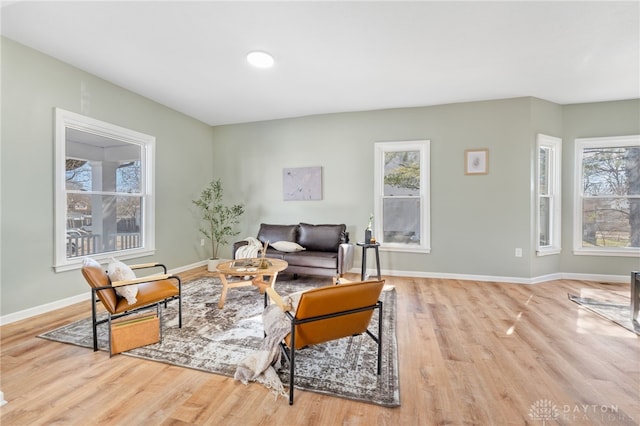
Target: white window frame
<point x="580" y="145"/>
<point x="66" y="119"/>
<point x="554" y="147"/>
<point x="380" y="148"/>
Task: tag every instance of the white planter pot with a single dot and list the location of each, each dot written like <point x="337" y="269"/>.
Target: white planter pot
<point x="213" y="263"/>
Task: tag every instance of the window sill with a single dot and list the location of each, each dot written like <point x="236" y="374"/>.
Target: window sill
<point x="548" y="251"/>
<point x="607" y="252"/>
<point x="76" y="263"/>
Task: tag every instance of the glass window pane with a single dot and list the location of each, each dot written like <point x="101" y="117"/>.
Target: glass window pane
<point x="606" y="222"/>
<point x="80" y="176"/>
<point x="610" y="171"/>
<point x="545" y="222"/>
<point x="544" y="171"/>
<point x="102" y="223"/>
<point x="401" y="173"/>
<point x="98" y="163"/>
<point x="401" y="220"/>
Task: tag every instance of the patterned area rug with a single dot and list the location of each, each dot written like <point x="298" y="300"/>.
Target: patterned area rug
<point x="615" y="312"/>
<point x="216" y="340"/>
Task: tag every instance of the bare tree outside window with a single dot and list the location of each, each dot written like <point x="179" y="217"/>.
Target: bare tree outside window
<point x="402" y="195"/>
<point x="632" y="165"/>
<point x="611" y="196"/>
<point x="401" y="207"/>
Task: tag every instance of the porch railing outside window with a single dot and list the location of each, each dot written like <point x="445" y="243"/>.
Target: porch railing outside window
<point x="79" y="245"/>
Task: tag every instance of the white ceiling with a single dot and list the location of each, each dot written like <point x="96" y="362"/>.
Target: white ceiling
<point x="334" y="56"/>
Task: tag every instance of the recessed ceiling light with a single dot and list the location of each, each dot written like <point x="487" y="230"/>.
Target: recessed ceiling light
<point x="260" y="59"/>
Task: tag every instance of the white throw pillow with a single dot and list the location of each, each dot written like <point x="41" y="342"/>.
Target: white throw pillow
<point x="287" y="246"/>
<point x="119" y="271"/>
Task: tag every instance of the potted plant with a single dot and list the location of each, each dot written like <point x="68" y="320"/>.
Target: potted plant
<point x="218" y="219"/>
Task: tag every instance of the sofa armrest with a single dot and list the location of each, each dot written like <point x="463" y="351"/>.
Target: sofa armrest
<point x="345" y="258"/>
<point x="236" y="246"/>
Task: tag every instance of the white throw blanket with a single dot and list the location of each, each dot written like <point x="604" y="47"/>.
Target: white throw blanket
<point x="251" y="250"/>
<point x="261" y="365"/>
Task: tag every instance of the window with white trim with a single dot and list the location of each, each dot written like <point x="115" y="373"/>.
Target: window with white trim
<point x="549" y="215"/>
<point x="402" y="205"/>
<point x="104" y="191"/>
<point x="607" y="204"/>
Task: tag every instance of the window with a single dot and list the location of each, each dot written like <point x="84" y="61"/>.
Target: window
<point x="548" y="194"/>
<point x="401" y="209"/>
<point x="607" y="217"/>
<point x="104" y="191"/>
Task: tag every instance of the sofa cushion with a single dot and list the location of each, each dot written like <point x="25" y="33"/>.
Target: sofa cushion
<point x="313" y="259"/>
<point x="320" y="237"/>
<point x="274" y="233"/>
<point x="275" y="254"/>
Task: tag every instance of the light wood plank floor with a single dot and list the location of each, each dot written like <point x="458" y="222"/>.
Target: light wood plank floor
<point x="469" y="353"/>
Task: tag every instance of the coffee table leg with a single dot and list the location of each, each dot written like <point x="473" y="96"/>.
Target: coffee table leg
<point x="225" y="286"/>
<point x="272" y="279"/>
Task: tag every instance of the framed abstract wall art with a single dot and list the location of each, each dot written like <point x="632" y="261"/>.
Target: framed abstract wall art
<point x="302" y="183"/>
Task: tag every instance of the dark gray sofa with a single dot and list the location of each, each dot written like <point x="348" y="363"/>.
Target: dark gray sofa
<point x="327" y="248"/>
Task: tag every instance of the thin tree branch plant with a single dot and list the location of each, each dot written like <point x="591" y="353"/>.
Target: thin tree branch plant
<point x="218" y="219"/>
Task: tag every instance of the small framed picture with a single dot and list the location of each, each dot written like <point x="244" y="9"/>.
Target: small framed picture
<point x="476" y="161"/>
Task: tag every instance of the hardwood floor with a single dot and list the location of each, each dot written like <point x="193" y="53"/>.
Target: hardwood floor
<point x="469" y="353"/>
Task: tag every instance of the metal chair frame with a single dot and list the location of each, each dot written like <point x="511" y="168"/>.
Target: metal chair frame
<point x="110" y="316"/>
<point x="290" y="352"/>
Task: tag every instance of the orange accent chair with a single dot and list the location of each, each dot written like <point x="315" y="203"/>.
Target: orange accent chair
<point x="152" y="290"/>
<point x="329" y="313"/>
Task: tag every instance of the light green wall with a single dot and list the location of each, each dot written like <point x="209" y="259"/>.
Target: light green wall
<point x="476" y="221"/>
<point x="546" y="118"/>
<point x="32" y="86"/>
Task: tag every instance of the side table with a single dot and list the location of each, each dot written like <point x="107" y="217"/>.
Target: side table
<point x="365" y="247"/>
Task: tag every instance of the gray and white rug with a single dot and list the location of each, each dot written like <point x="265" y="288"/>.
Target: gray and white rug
<point x="216" y="340"/>
<point x="615" y="312"/>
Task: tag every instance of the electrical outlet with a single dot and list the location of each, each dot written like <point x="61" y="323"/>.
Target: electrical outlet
<point x="518" y="252"/>
<point x="202" y="242"/>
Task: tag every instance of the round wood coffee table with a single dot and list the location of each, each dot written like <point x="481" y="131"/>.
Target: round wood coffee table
<point x="248" y="268"/>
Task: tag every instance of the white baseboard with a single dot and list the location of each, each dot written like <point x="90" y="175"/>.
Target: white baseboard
<point x="2" y="401"/>
<point x="502" y="279"/>
<point x="63" y="303"/>
<point x="43" y="309"/>
<point x="48" y="307"/>
<point x="187" y="267"/>
<point x="598" y="278"/>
